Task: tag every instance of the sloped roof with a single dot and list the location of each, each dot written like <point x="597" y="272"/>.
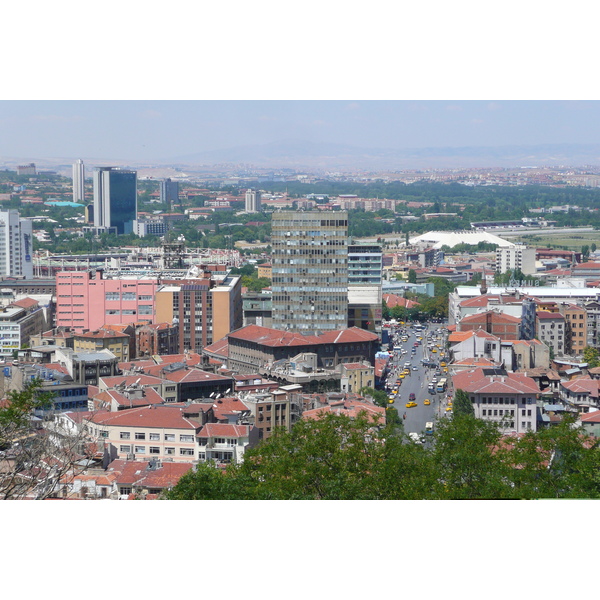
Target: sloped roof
<point x="476" y="381"/>
<point x="169" y="417"/>
<point x="224" y="430"/>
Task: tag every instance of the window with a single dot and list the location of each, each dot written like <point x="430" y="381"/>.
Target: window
<point x="140" y="436"/>
<point x="169" y="437"/>
<point x="124" y="435"/>
<point x="169" y="451"/>
<point x="154" y="450"/>
<point x="186" y="438"/>
<point x="186" y="451"/>
<point x="484" y="412"/>
<point x="154" y="437"/>
<point x="126" y="449"/>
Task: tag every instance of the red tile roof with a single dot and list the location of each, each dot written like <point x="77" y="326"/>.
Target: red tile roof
<point x="224" y="430"/>
<point x="169" y="417"/>
<point x="275" y="337"/>
<point x="475" y="381"/>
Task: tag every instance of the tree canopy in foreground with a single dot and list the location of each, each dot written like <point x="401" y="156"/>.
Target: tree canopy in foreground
<point x="337" y="458"/>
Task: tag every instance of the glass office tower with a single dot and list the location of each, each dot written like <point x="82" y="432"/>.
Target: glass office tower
<point x="115" y="198"/>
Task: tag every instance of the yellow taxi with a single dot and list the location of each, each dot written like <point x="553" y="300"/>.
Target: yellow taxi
<point x="448" y="409"/>
<point x="442" y="364"/>
<point x="426" y="402"/>
<point x="445" y="369"/>
<point x="402" y="376"/>
<point x="411" y="404"/>
<point x="391" y="401"/>
<point x="434" y="350"/>
<point x="406" y="372"/>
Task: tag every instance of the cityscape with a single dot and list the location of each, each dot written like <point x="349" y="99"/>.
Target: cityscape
<point x="158" y="329"/>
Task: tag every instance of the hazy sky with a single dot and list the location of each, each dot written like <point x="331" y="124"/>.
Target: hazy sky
<point x="145" y="130"/>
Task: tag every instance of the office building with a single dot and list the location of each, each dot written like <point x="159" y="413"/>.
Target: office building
<point x="365" y="271"/>
<point x="252" y="201"/>
<point x="115" y="199"/>
<point x="16" y="247"/>
<point x="78" y="181"/>
<point x="169" y="192"/>
<point x="310" y="271"/>
<point x="27" y="169"/>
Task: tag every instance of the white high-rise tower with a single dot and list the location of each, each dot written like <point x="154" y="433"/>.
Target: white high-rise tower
<point x="78" y="182"/>
<point x="253" y="201"/>
<point x="16" y="245"/>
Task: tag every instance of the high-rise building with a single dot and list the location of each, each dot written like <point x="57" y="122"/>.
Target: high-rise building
<point x="16" y="246"/>
<point x="365" y="272"/>
<point x="252" y="201"/>
<point x="169" y="192"/>
<point x="115" y="198"/>
<point x="516" y="257"/>
<point x="78" y="181"/>
<point x="310" y="271"/>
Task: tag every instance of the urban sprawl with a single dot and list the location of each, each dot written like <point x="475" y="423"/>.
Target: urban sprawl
<point x="154" y="326"/>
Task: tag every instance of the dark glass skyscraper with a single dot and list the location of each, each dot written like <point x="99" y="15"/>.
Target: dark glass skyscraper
<point x="115" y="198"/>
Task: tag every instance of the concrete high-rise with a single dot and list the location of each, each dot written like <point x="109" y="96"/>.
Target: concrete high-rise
<point x="252" y="201"/>
<point x="310" y="271"/>
<point x="169" y="192"/>
<point x="115" y="199"/>
<point x="16" y="247"/>
<point x="79" y="181"/>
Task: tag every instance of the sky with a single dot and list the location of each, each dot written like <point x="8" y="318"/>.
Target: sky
<point x="168" y="129"/>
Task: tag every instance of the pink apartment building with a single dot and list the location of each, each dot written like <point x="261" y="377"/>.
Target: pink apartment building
<point x="87" y="301"/>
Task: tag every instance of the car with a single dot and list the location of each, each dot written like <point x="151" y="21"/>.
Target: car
<point x="434" y="350"/>
<point x="402" y="376"/>
<point x="412" y="397"/>
<point x="391" y="401"/>
<point x="415" y="368"/>
<point x="445" y="369"/>
<point x="442" y="364"/>
<point x="448" y="409"/>
<point x="411" y="404"/>
<point x="426" y="402"/>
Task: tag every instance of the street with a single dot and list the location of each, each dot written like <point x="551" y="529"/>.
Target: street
<point x="417" y="382"/>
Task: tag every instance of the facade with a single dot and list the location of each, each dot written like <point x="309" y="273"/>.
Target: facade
<point x="310" y="271"/>
<point x="253" y="203"/>
<point x="253" y="347"/>
<point x="16" y="245"/>
<point x="576" y="334"/>
<point x="205" y="310"/>
<point x="29" y="169"/>
<point x="85" y="300"/>
<point x="79" y="181"/>
<point x="516" y="257"/>
<point x="169" y="192"/>
<point x="93" y="341"/>
<point x="508" y="399"/>
<point x="115" y="198"/>
<point x="258" y="309"/>
<point x="593" y="317"/>
<point x="156" y="339"/>
<point x="225" y="442"/>
<point x="551" y="329"/>
<point x="17" y="325"/>
<point x="504" y="326"/>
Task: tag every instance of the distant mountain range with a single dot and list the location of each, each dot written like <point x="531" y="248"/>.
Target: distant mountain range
<point x="301" y="154"/>
<point x="312" y="156"/>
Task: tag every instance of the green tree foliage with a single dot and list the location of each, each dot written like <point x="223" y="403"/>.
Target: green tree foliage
<point x="339" y="458"/>
<point x="591" y="356"/>
<point x="462" y="404"/>
<point x="412" y="276"/>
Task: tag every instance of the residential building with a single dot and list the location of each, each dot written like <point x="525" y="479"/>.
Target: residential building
<point x="507" y="399"/>
<point x="157" y="338"/>
<point x="581" y="394"/>
<point x="162" y="432"/>
<point x="551" y="329"/>
<point x="356" y="376"/>
<point x="79" y="181"/>
<point x="310" y="271"/>
<point x="593" y="318"/>
<point x="92" y="341"/>
<point x="504" y="326"/>
<point x="28" y="169"/>
<point x="511" y="258"/>
<point x="115" y="198"/>
<point x="253" y="203"/>
<point x="576" y="335"/>
<point x="88" y="367"/>
<point x="17" y="325"/>
<point x="226" y="443"/>
<point x="16" y="245"/>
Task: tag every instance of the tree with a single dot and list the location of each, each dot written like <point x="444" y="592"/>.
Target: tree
<point x="591" y="356"/>
<point x="462" y="404"/>
<point x="35" y="456"/>
<point x="379" y="397"/>
<point x="412" y="276"/>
